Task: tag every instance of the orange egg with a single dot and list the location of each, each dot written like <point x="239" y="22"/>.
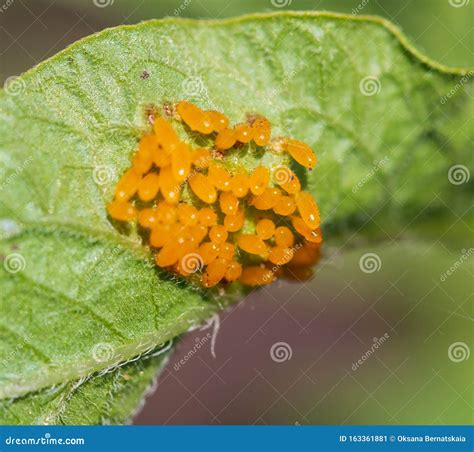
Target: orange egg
<point x="122" y="211"/>
<point x="235" y="222"/>
<point x="219" y="177"/>
<point x="208" y="251"/>
<point x="302" y="228"/>
<point x="285" y="206"/>
<point x="261" y="131"/>
<point x="127" y="186"/>
<point x="308" y="209"/>
<point x="240" y="184"/>
<point x="268" y="199"/>
<point x="233" y="272"/>
<point x="160" y="234"/>
<point x="259" y="180"/>
<point x="284" y="237"/>
<point x="301" y="152"/>
<point x="252" y="244"/>
<point x="170" y="188"/>
<point x="229" y="203"/>
<point x="265" y="229"/>
<point x="187" y="214"/>
<point x="207" y="216"/>
<point x="256" y="276"/>
<point x="181" y="162"/>
<point x="243" y="132"/>
<point x="280" y="255"/>
<point x="225" y="139"/>
<point x="167" y="213"/>
<point x="226" y="250"/>
<point x="203" y="188"/>
<point x="148" y="187"/>
<point x="218" y="233"/>
<point x="148" y="218"/>
<point x="215" y="271"/>
<point x="218" y="120"/>
<point x="201" y="158"/>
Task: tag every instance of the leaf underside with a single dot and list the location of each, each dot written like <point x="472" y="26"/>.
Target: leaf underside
<point x="83" y="286"/>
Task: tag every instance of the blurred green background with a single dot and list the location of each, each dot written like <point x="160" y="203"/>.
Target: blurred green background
<point x="413" y="377"/>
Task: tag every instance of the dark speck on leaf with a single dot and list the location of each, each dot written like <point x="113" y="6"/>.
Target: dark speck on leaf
<point x="144" y="75"/>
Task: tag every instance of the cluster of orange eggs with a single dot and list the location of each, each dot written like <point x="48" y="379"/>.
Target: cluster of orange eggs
<point x="201" y="219"/>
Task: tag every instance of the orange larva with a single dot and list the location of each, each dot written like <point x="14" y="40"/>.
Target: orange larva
<point x="252" y="244"/>
<point x="218" y="120"/>
<point x="280" y="255"/>
<point x="243" y="132"/>
<point x="219" y="177"/>
<point x="207" y="216"/>
<point x="233" y="272"/>
<point x="170" y="188"/>
<point x="215" y="271"/>
<point x="265" y="228"/>
<point x="259" y="180"/>
<point x="285" y="206"/>
<point x="234" y="223"/>
<point x="218" y="233"/>
<point x="226" y="250"/>
<point x="202" y="188"/>
<point x="148" y="187"/>
<point x="308" y="209"/>
<point x="127" y="186"/>
<point x="225" y="139"/>
<point x="284" y="237"/>
<point x="256" y="276"/>
<point x="228" y="203"/>
<point x="148" y="217"/>
<point x="268" y="199"/>
<point x="301" y="152"/>
<point x="187" y="214"/>
<point x="181" y="162"/>
<point x="261" y="131"/>
<point x="208" y="251"/>
<point x="240" y="184"/>
<point x="122" y="210"/>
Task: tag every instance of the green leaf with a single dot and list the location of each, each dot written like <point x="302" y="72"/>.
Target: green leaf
<point x="77" y="296"/>
<point x="107" y="399"/>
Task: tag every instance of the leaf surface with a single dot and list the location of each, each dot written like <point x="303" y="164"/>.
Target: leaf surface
<point x="77" y="296"/>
